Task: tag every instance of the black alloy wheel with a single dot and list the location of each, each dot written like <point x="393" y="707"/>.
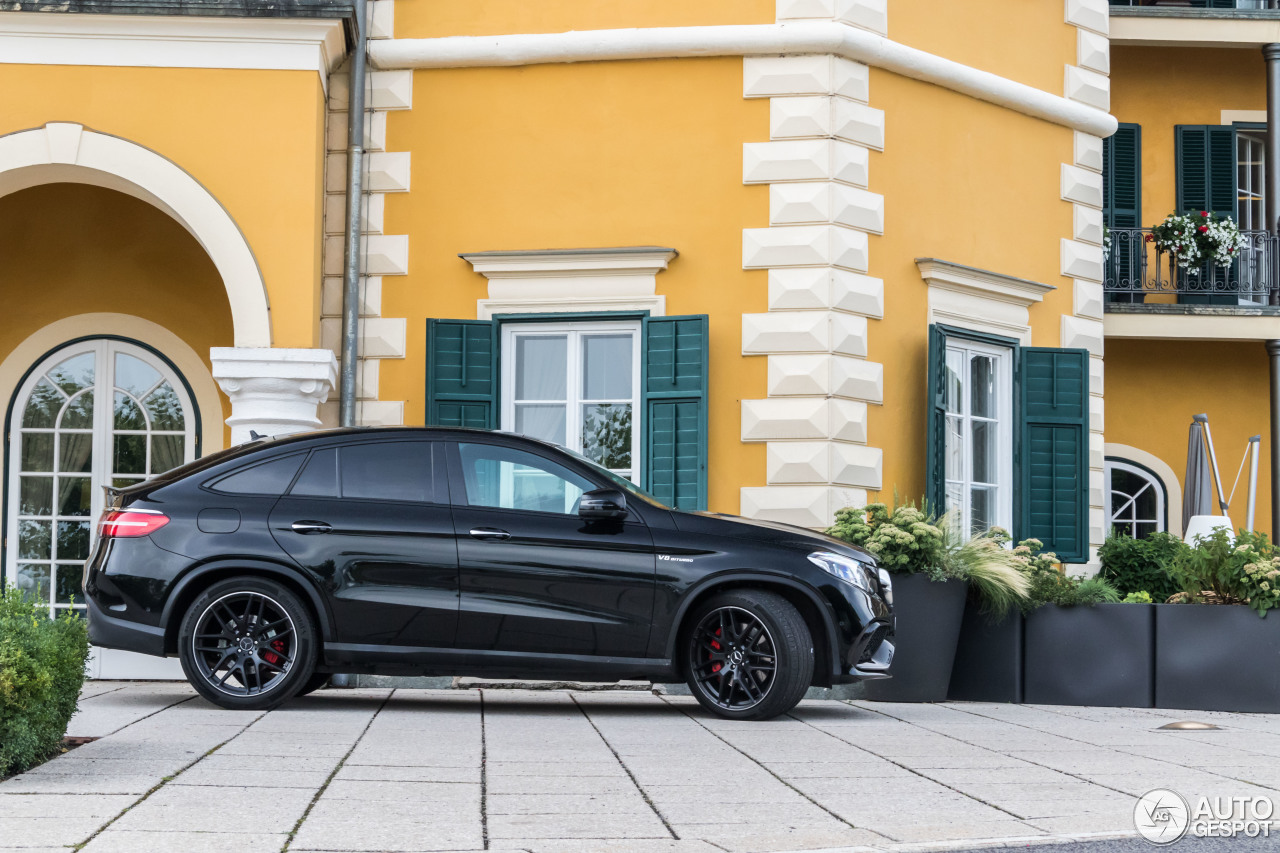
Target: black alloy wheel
<point x="749" y="655"/>
<point x="247" y="643"/>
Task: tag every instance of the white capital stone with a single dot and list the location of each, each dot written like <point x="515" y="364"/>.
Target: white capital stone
<point x="273" y="391"/>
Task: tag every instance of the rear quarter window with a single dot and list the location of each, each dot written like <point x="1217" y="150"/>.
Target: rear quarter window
<point x="266" y="478"/>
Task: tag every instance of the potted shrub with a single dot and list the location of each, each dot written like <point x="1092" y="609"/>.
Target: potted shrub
<point x="1215" y="650"/>
<point x="932" y="568"/>
<point x="1084" y="646"/>
<point x="988" y="665"/>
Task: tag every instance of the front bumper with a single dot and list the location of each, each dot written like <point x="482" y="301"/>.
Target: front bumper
<point x="865" y="624"/>
<point x="108" y="632"/>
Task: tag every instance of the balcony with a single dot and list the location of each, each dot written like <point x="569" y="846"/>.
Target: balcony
<point x="1149" y="296"/>
<point x="1199" y="23"/>
<point x="1174" y="7"/>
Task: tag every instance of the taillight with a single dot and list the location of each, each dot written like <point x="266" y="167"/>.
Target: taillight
<point x="131" y="522"/>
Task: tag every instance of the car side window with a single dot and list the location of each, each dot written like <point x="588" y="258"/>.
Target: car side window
<point x="388" y="471"/>
<point x="507" y="478"/>
<point x="266" y="478"/>
<point x="319" y="478"/>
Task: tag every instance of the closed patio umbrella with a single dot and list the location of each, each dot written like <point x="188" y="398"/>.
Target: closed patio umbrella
<point x="1196" y="498"/>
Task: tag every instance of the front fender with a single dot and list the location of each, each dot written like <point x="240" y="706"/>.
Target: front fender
<point x="745" y="577"/>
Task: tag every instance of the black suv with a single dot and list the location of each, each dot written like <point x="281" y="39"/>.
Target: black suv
<point x="464" y="552"/>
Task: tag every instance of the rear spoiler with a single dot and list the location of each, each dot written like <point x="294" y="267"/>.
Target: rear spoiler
<point x="114" y="496"/>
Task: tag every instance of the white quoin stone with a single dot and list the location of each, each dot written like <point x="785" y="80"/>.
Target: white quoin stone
<point x="804" y="160"/>
<point x="804" y="245"/>
<point x="273" y="391"/>
<point x="771" y="76"/>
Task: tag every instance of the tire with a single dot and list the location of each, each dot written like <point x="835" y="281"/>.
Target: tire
<point x="248" y="644"/>
<point x="317" y="680"/>
<point x="732" y="680"/>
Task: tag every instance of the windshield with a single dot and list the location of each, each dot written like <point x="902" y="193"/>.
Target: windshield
<point x="617" y="480"/>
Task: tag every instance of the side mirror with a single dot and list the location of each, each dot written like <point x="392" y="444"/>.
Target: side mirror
<point x="602" y="503"/>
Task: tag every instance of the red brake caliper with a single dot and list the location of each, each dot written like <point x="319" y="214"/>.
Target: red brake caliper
<point x="715" y="667"/>
<point x="278" y="645"/>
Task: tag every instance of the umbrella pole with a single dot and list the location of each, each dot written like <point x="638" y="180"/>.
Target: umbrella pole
<point x="1255" y="443"/>
<point x="1213" y="460"/>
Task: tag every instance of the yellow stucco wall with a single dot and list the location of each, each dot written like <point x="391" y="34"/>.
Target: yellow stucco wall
<point x="76" y="249"/>
<point x="1024" y="40"/>
<point x="599" y="155"/>
<point x="988" y="197"/>
<point x="1158" y="88"/>
<point x="435" y="18"/>
<point x="254" y="139"/>
<point x="1154" y="387"/>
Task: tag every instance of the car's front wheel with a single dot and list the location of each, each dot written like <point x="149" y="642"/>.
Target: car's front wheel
<point x="748" y="655"/>
<point x="247" y="644"/>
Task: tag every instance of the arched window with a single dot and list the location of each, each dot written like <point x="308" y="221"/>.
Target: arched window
<point x="1137" y="500"/>
<point x="94" y="413"/>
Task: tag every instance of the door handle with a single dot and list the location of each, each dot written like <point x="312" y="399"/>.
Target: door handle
<point x="489" y="533"/>
<point x="306" y="527"/>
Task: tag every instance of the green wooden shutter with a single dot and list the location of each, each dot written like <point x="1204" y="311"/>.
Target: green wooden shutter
<point x="935" y="484"/>
<point x="1122" y="209"/>
<point x="1122" y="177"/>
<point x="1206" y="162"/>
<point x="462" y="374"/>
<point x="1054" y="476"/>
<point x="675" y="410"/>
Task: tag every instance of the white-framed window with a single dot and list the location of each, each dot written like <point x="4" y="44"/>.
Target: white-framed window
<point x="979" y="435"/>
<point x="99" y="412"/>
<point x="1136" y="505"/>
<point x="576" y="385"/>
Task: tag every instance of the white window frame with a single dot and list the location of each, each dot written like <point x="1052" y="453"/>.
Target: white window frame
<point x="1161" y="520"/>
<point x="101" y="473"/>
<point x="1252" y="143"/>
<point x="1003" y="515"/>
<point x="574" y="331"/>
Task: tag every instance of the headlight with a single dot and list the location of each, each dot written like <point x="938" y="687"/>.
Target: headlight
<point x="886" y="587"/>
<point x="846" y="569"/>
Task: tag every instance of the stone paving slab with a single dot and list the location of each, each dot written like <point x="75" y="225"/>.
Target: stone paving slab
<point x="410" y="771"/>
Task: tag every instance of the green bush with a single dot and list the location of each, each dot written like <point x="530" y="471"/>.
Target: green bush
<point x="41" y="672"/>
<point x="1226" y="569"/>
<point x="1139" y="597"/>
<point x="1143" y="565"/>
<point x="908" y="540"/>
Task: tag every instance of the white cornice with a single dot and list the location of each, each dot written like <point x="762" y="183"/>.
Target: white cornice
<point x="571" y="263"/>
<point x="989" y="285"/>
<point x="296" y="44"/>
<point x="741" y="40"/>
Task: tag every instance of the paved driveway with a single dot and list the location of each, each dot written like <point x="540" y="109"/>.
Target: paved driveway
<point x="410" y="770"/>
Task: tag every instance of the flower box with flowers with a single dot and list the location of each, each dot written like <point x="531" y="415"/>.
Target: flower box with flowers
<point x="1197" y="238"/>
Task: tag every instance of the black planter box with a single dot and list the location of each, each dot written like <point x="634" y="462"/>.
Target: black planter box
<point x="988" y="666"/>
<point x="1212" y="657"/>
<point x="928" y="625"/>
<point x="1102" y="655"/>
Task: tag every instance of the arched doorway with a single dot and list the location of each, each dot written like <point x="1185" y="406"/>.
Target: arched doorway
<point x="93" y="413"/>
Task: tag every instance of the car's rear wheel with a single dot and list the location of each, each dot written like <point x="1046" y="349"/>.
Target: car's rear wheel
<point x="247" y="644"/>
<point x="748" y="655"/>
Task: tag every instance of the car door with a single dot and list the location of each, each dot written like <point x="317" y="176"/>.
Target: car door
<point x="534" y="576"/>
<point x="372" y="520"/>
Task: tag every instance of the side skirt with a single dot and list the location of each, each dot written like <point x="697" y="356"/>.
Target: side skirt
<point x="418" y="660"/>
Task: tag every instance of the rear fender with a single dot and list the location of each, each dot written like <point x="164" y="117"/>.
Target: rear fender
<point x="197" y="579"/>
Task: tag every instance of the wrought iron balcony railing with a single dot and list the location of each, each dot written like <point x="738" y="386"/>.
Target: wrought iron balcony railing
<point x="1135" y="270"/>
<point x="1241" y="5"/>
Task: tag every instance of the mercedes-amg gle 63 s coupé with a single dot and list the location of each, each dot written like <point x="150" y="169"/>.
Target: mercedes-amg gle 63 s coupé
<point x="434" y="551"/>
